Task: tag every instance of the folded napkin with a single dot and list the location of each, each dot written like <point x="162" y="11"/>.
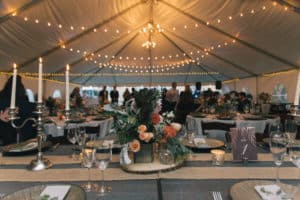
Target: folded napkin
<point x="200" y="142"/>
<point x="271" y="192"/>
<point x="56" y="191"/>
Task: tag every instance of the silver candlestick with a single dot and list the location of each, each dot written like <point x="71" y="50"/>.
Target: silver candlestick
<point x="40" y="163"/>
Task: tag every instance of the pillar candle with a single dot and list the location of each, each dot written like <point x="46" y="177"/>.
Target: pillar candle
<point x="13" y="88"/>
<point x="67" y="88"/>
<point x="40" y="84"/>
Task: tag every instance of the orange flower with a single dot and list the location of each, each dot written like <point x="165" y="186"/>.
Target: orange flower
<point x="149" y="136"/>
<point x="135" y="146"/>
<point x="142" y="128"/>
<point x="143" y="136"/>
<point x="155" y="118"/>
<point x="169" y="131"/>
<point x="176" y="126"/>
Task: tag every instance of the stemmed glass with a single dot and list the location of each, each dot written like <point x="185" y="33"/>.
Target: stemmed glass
<point x="102" y="161"/>
<point x="295" y="158"/>
<point x="71" y="136"/>
<point x="278" y="146"/>
<point x="290" y="130"/>
<point x="81" y="137"/>
<point x="88" y="155"/>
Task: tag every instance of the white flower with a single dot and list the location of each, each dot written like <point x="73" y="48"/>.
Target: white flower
<point x="176" y="126"/>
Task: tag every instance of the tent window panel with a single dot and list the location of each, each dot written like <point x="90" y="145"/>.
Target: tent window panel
<point x="56" y="94"/>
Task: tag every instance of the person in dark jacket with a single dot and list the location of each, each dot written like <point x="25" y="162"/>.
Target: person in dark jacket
<point x="185" y="105"/>
<point x="114" y="95"/>
<point x="25" y="110"/>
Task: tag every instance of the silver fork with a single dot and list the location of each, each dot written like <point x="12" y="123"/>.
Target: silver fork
<point x="217" y="195"/>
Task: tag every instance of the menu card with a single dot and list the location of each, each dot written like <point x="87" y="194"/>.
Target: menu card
<point x="243" y="143"/>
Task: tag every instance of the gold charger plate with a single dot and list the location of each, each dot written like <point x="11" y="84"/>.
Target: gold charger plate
<point x="24" y="148"/>
<point x="296" y="142"/>
<point x="209" y="143"/>
<point x="33" y="193"/>
<point x="155" y="166"/>
<point x="245" y="190"/>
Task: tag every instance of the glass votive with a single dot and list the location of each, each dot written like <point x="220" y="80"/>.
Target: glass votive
<point x="218" y="157"/>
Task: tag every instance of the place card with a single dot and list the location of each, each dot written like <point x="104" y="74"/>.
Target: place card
<point x="56" y="191"/>
<point x="243" y="143"/>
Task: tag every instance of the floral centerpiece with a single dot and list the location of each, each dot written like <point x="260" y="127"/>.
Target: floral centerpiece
<point x="264" y="97"/>
<point x="142" y="126"/>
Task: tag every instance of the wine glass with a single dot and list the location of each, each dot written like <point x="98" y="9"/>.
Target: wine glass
<point x="295" y="159"/>
<point x="278" y="146"/>
<point x="88" y="158"/>
<point x="290" y="130"/>
<point x="80" y="138"/>
<point x="102" y="161"/>
<point x="71" y="136"/>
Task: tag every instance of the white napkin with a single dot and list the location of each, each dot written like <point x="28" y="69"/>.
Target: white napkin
<point x="56" y="191"/>
<point x="200" y="142"/>
<point x="271" y="192"/>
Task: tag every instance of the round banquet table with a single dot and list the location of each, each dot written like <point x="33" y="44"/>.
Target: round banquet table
<point x="260" y="125"/>
<point x="57" y="128"/>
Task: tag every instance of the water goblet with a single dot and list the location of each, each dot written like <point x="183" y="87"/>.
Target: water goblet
<point x="278" y="146"/>
<point x="102" y="161"/>
<point x="71" y="136"/>
<point x="88" y="158"/>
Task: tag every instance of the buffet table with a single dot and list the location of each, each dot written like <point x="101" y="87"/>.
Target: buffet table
<point x="194" y="180"/>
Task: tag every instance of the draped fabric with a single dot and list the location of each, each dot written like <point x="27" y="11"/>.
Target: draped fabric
<point x="261" y="37"/>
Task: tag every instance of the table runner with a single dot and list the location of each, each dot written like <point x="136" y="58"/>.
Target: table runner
<point x="75" y="172"/>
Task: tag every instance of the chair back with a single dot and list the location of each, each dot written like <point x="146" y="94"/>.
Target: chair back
<point x="218" y="126"/>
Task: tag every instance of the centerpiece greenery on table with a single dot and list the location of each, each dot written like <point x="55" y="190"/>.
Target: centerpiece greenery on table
<point x="142" y="124"/>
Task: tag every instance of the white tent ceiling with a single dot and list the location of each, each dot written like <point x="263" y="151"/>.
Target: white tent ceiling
<point x="102" y="40"/>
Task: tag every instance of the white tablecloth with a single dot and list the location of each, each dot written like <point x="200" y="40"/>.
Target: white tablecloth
<point x="260" y="125"/>
<point x="57" y="129"/>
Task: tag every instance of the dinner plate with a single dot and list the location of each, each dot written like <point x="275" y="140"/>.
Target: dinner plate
<point x="198" y="115"/>
<point x="33" y="193"/>
<point x="76" y="121"/>
<point x="296" y="142"/>
<point x="24" y="148"/>
<point x="207" y="143"/>
<point x="100" y="118"/>
<point x="245" y="190"/>
<point x="225" y="118"/>
<point x="254" y="118"/>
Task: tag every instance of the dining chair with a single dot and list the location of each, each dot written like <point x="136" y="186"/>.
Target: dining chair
<point x="225" y="127"/>
<point x="93" y="130"/>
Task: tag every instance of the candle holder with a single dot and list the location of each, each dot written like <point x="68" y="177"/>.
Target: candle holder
<point x="68" y="116"/>
<point x="40" y="163"/>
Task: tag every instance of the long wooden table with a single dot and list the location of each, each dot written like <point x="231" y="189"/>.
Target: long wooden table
<point x="196" y="176"/>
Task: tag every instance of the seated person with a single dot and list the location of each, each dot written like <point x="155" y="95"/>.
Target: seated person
<point x="243" y="103"/>
<point x="24" y="108"/>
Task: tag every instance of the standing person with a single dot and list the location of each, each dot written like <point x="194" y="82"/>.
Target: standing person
<point x="114" y="95"/>
<point x="76" y="98"/>
<point x="185" y="105"/>
<point x="103" y="96"/>
<point x="25" y="110"/>
<point x="126" y="96"/>
<point x="172" y="97"/>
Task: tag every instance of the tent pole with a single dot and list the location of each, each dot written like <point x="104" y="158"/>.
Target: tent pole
<point x="297" y="92"/>
<point x="256" y="88"/>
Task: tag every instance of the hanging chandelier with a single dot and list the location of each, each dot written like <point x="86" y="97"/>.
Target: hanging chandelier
<point x="151" y="29"/>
